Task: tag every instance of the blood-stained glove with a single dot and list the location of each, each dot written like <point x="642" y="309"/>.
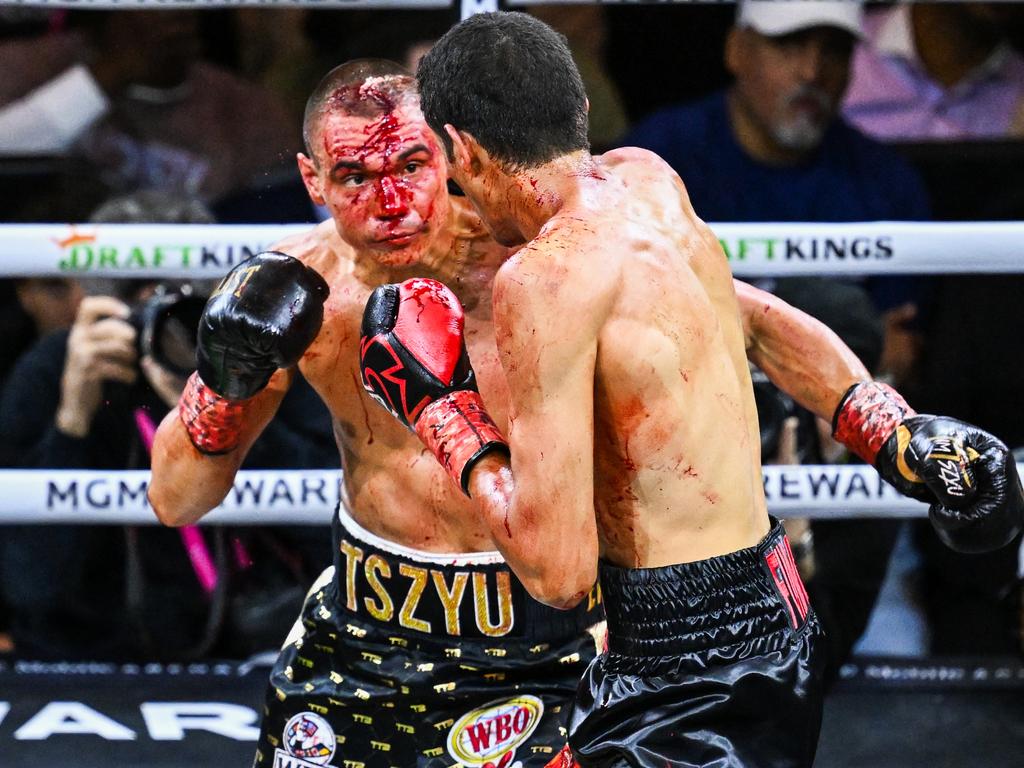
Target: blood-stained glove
<point x="967" y="476"/>
<point x="414" y="362"/>
<point x="261" y="317"/>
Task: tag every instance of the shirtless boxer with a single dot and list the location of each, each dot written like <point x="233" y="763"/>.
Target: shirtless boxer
<point x="405" y="654"/>
<point x="631" y="422"/>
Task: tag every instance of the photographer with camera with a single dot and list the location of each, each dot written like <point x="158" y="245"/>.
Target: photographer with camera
<point x="90" y="398"/>
<point x="73" y="401"/>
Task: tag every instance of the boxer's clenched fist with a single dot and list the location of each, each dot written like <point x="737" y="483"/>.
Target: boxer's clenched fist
<point x="262" y="317"/>
<point x="967" y="476"/>
<point x="414" y="362"/>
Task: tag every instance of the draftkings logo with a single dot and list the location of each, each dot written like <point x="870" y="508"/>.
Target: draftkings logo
<point x="808" y="249"/>
<point x="86" y="251"/>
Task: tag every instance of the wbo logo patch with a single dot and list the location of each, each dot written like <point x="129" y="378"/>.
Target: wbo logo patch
<point x="488" y="736"/>
<point x="309" y="742"/>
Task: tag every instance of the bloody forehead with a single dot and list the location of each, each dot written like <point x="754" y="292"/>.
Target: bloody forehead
<point x="347" y="137"/>
<point x="365" y="99"/>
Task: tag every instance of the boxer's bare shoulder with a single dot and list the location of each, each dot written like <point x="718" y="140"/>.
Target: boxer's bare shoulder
<point x="319" y="247"/>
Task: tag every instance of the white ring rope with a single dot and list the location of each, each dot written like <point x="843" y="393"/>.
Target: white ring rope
<point x="754" y="250"/>
<point x="309" y="497"/>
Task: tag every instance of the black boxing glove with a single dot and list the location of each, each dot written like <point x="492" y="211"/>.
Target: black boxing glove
<point x="262" y="316"/>
<point x="414" y="362"/>
<point x="967" y="476"/>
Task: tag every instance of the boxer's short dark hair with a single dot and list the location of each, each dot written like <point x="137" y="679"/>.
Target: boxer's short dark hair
<point x="509" y="80"/>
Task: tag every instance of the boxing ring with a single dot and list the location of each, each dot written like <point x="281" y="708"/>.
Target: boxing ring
<point x="924" y="712"/>
<point x="195" y="714"/>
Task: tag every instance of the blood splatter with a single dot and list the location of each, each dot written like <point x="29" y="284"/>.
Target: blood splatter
<point x="366" y="412"/>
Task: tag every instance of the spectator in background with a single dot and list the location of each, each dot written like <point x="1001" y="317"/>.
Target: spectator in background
<point x="32" y="308"/>
<point x="88" y="399"/>
<point x="772" y="147"/>
<point x="132" y="93"/>
<point x="940" y="71"/>
<point x="945" y="71"/>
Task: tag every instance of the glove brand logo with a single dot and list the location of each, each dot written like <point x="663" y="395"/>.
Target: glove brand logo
<point x="951" y="459"/>
<point x="759" y="249"/>
<point x="487" y="737"/>
<point x="235" y="281"/>
<point x="386" y="388"/>
<point x="309" y="741"/>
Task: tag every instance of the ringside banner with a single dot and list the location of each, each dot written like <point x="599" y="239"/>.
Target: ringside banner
<point x="753" y="250"/>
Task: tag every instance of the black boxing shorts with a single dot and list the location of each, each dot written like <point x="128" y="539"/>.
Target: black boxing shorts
<point x="406" y="658"/>
<point x="712" y="663"/>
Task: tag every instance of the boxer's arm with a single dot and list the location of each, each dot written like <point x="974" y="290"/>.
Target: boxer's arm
<point x="186" y="483"/>
<point x="799" y="354"/>
<point x="543" y="520"/>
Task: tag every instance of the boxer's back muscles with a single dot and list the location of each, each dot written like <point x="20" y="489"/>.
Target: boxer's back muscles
<point x="656" y="334"/>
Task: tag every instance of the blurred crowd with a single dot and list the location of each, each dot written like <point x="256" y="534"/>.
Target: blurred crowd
<point x="774" y="113"/>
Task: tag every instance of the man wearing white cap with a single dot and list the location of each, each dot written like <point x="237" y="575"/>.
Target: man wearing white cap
<point x="771" y="147"/>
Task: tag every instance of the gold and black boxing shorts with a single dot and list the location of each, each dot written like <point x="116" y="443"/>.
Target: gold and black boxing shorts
<point x="407" y="658"/>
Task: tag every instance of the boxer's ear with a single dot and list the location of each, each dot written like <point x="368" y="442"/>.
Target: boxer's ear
<point x="467" y="153"/>
<point x="735" y="49"/>
<point x="311" y="178"/>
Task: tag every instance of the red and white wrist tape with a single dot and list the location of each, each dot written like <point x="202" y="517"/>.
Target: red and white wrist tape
<point x="867" y="416"/>
<point x="458" y="430"/>
<point x="214" y="423"/>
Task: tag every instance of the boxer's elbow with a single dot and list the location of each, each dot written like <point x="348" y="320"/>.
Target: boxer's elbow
<point x="167" y="514"/>
<point x="559" y="588"/>
<point x="172" y="512"/>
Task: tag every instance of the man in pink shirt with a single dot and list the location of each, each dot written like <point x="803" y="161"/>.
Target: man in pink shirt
<point x="936" y="71"/>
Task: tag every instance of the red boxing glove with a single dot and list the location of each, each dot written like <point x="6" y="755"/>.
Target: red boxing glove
<point x="414" y="362"/>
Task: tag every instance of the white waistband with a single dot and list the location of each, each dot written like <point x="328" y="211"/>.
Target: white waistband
<point x="458" y="558"/>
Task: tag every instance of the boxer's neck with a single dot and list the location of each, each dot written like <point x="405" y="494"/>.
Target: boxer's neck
<point x="537" y="194"/>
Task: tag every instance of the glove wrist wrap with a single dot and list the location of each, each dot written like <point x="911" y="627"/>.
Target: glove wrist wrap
<point x="213" y="423"/>
<point x="457" y="429"/>
<point x="867" y="417"/>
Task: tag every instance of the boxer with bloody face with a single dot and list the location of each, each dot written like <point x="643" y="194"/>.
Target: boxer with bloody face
<point x="378" y="169"/>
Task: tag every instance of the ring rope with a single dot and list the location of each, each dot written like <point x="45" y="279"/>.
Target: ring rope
<point x="754" y="250"/>
<point x="309" y="497"/>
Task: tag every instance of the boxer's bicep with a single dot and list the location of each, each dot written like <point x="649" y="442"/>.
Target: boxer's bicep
<point x="748" y="299"/>
<point x="185" y="483"/>
<point x="799" y="354"/>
